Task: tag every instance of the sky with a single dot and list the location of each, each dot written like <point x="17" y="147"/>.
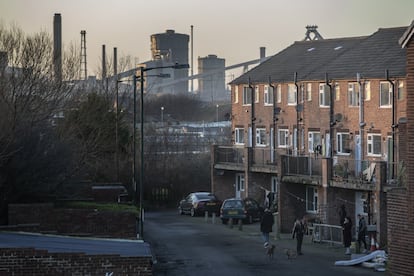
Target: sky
<point x="231" y="29"/>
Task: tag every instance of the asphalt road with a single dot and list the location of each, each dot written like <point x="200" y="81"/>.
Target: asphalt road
<point x="184" y="245"/>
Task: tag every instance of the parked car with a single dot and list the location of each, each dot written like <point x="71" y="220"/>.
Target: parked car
<point x="246" y="209"/>
<point x="198" y="203"/>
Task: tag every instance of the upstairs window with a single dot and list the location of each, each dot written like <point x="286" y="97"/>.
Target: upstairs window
<point x="385" y="94"/>
<point x="353" y="94"/>
<point x="256" y="94"/>
<point x="309" y="91"/>
<point x="337" y="91"/>
<point x="324" y="95"/>
<point x="292" y="94"/>
<point x="239" y="136"/>
<point x="247" y="95"/>
<point x="236" y="94"/>
<point x="260" y="137"/>
<point x="374" y="144"/>
<point x="314" y="140"/>
<point x="367" y="91"/>
<point x="279" y="93"/>
<point x="400" y="90"/>
<point x="268" y="95"/>
<point x="342" y="143"/>
<point x="283" y="138"/>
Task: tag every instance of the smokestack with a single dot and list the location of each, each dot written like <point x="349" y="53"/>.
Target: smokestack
<point x="57" y="46"/>
<point x="262" y="52"/>
<point x="103" y="64"/>
<point x="84" y="67"/>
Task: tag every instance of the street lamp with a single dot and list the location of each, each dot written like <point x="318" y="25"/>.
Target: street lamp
<point x="141" y="177"/>
<point x="162" y="116"/>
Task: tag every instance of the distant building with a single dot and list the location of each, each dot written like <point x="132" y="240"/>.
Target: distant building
<point x="169" y="48"/>
<point x="211" y="85"/>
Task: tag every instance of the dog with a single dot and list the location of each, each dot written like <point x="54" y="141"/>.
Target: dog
<point x="291" y="254"/>
<point x="270" y="250"/>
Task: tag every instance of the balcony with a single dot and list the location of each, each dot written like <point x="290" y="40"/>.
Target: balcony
<point x="237" y="158"/>
<point x="302" y="169"/>
<point x="358" y="174"/>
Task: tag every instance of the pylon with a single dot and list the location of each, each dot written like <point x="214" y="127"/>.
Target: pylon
<point x="373" y="244"/>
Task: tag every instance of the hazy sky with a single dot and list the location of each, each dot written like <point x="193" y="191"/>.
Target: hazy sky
<point x="231" y="29"/>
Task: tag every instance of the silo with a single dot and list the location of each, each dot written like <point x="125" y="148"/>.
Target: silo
<point x="171" y="47"/>
<point x="57" y="46"/>
<point x="211" y="85"/>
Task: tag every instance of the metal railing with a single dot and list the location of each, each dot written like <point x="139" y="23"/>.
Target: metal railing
<point x="327" y="233"/>
<point x="229" y="154"/>
<point x="301" y="165"/>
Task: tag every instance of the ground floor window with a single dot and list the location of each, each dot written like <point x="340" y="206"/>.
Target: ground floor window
<point x="311" y="199"/>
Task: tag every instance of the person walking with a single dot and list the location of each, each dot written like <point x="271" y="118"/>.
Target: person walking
<point x="347" y="234"/>
<point x="266" y="225"/>
<point x="298" y="231"/>
<point x="362" y="231"/>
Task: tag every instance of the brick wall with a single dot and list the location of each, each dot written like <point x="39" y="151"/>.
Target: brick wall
<point x="28" y="261"/>
<point x="74" y="221"/>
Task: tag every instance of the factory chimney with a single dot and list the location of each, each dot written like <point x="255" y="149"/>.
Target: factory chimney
<point x="57" y="46"/>
<point x="103" y="65"/>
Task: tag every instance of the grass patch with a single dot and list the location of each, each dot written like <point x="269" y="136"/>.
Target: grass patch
<point x="100" y="206"/>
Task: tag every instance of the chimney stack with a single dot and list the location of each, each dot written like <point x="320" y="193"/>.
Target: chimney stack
<point x="57" y="46"/>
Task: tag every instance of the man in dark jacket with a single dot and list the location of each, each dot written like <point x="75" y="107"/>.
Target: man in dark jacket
<point x="362" y="232"/>
<point x="299" y="231"/>
<point x="266" y="225"/>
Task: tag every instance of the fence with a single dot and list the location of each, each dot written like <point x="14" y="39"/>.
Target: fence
<point x="327" y="233"/>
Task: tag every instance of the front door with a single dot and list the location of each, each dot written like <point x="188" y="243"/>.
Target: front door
<point x="357" y="154"/>
<point x="239" y="184"/>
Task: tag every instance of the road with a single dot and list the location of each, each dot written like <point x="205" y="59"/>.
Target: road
<point x="185" y="245"/>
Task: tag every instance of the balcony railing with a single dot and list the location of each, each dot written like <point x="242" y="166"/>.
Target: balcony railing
<point x="264" y="157"/>
<point x="229" y="155"/>
<point x="301" y="165"/>
<point x="365" y="171"/>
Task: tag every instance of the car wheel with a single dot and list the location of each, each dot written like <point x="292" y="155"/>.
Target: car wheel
<point x="192" y="212"/>
<point x="180" y="211"/>
<point x="250" y="219"/>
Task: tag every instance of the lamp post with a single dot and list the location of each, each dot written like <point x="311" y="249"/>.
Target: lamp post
<point x="141" y="177"/>
<point x="162" y="116"/>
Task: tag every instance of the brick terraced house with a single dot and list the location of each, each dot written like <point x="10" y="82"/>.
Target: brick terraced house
<point x="325" y="123"/>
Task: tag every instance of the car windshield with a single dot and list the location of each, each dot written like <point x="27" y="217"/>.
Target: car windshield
<point x="233" y="204"/>
<point x="206" y="196"/>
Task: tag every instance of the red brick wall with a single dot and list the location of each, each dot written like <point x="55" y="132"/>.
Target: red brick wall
<point x="28" y="261"/>
<point x="74" y="221"/>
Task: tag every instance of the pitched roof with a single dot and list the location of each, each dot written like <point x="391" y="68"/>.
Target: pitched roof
<point x="340" y="58"/>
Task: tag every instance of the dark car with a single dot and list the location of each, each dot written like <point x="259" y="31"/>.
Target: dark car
<point x="248" y="210"/>
<point x="198" y="203"/>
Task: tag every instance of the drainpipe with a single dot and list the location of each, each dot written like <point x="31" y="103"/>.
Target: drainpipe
<point x="273" y="154"/>
<point x="331" y="124"/>
<point x="394" y="125"/>
<point x="253" y="119"/>
<point x="361" y="120"/>
<point x="295" y="77"/>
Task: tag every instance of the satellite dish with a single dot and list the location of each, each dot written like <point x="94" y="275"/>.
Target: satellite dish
<point x="338" y="117"/>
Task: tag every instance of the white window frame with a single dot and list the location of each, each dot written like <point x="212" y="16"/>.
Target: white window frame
<point x="236" y="94"/>
<point x="313" y="137"/>
<point x="283" y="138"/>
<point x="311" y="199"/>
<point x="386" y="94"/>
<point x="240" y="181"/>
<point x="256" y="94"/>
<point x="247" y="95"/>
<point x="324" y="95"/>
<point x="367" y="91"/>
<point x="337" y="91"/>
<point x="309" y="91"/>
<point x="292" y="94"/>
<point x="401" y="90"/>
<point x="239" y="136"/>
<point x="353" y="94"/>
<point x="261" y="137"/>
<point x="279" y="93"/>
<point x="268" y="95"/>
<point x="372" y="144"/>
<point x="343" y="143"/>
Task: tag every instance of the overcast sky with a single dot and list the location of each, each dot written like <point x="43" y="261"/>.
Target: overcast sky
<point x="230" y="29"/>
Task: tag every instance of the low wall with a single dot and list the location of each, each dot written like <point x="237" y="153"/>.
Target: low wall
<point x="83" y="222"/>
<point x="28" y="261"/>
